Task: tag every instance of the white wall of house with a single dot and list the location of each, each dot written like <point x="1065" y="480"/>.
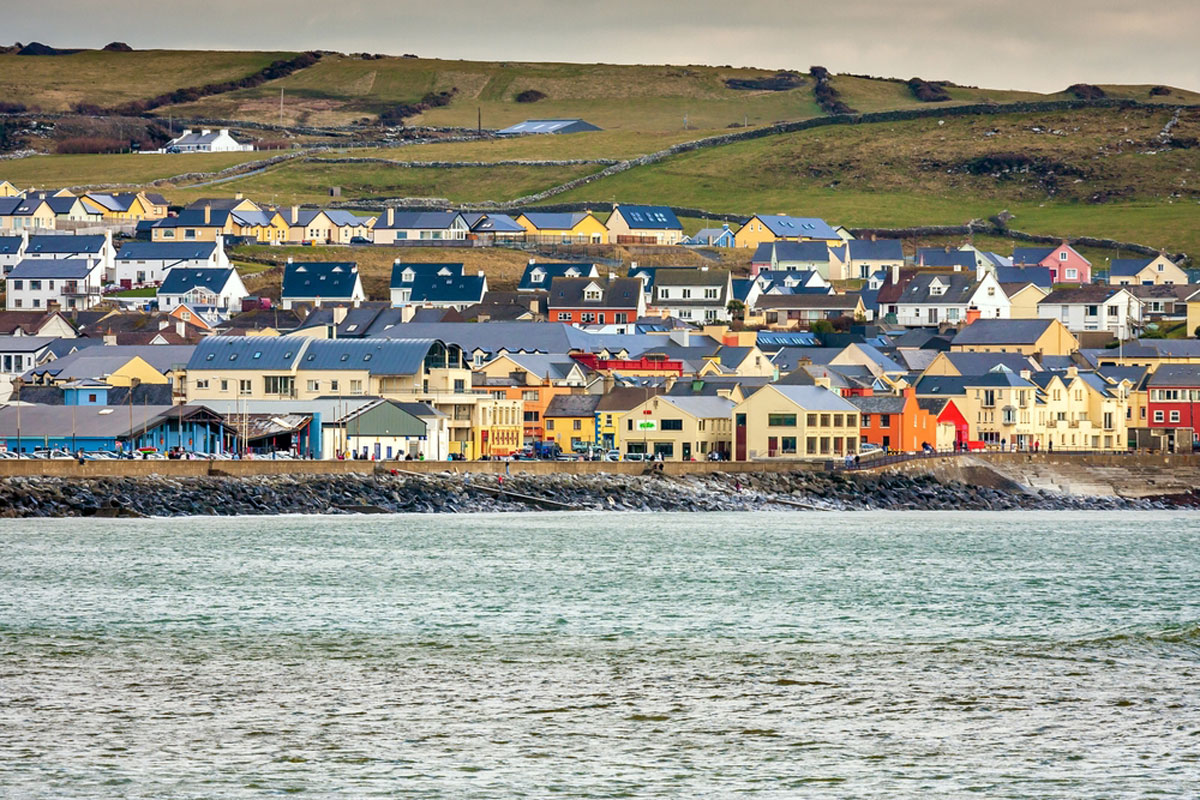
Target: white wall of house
<point x="1119" y="315"/>
<point x="38" y="294"/>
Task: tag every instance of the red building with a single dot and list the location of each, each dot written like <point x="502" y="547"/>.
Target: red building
<point x="946" y="412"/>
<point x="593" y="301"/>
<point x="1173" y="400"/>
<point x="647" y="365"/>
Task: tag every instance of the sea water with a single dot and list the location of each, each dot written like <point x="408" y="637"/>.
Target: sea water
<point x="866" y="655"/>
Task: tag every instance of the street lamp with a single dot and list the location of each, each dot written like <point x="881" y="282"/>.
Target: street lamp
<point x="17" y="384"/>
<point x="133" y="384"/>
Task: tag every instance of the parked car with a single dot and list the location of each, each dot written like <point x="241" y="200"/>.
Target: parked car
<point x="612" y="455"/>
<point x="359" y="240"/>
<point x="635" y="457"/>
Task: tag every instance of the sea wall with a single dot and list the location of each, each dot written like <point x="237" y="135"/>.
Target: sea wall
<point x="343" y="490"/>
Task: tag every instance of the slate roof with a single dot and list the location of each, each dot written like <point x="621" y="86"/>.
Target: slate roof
<point x="832" y="302"/>
<point x="692" y="277"/>
<point x="618" y="293"/>
<point x="554" y="270"/>
<point x="100" y="362"/>
<point x="980" y="363"/>
<point x="572" y="405"/>
<point x="1031" y="255"/>
<point x="427" y="288"/>
<point x="623" y="398"/>
<point x="166" y="251"/>
<point x="813" y="398"/>
<point x="492" y="223"/>
<point x="24" y="344"/>
<point x="10" y="245"/>
<point x="89" y="244"/>
<point x="181" y="280"/>
<point x="940" y="257"/>
<point x="377" y="356"/>
<point x="1127" y="267"/>
<point x="879" y="403"/>
<point x="426" y="220"/>
<point x="549" y="220"/>
<point x="65" y="268"/>
<point x="710" y="235"/>
<point x="1094" y="293"/>
<point x="19" y="206"/>
<point x="877" y="250"/>
<point x="782" y="225"/>
<point x="1038" y="276"/>
<point x="422" y="269"/>
<point x="648" y="217"/>
<point x="194" y="218"/>
<point x="1002" y="331"/>
<point x="649" y="275"/>
<point x="959" y="288"/>
<point x="324" y="279"/>
<point x="1176" y="375"/>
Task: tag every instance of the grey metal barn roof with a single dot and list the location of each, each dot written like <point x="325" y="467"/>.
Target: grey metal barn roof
<point x="257" y="353"/>
<point x="548" y="126"/>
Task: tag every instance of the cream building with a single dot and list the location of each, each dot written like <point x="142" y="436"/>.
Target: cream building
<point x="684" y="428"/>
<point x="795" y="422"/>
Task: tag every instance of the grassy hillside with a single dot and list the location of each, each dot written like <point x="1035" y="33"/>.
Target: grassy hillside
<point x="106" y="79"/>
<point x="82" y="170"/>
<point x="308" y="182"/>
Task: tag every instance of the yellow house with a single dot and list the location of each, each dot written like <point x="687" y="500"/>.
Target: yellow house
<point x="9" y="190"/>
<point x="1024" y="298"/>
<point x="568" y="228"/>
<point x="783" y="228"/>
<point x="795" y="422"/>
<point x="1047" y="337"/>
<point x="267" y="226"/>
<point x="742" y="362"/>
<point x="570" y="421"/>
<point x="1156" y="271"/>
<point x="26" y="213"/>
<point x="1081" y="411"/>
<point x="193" y="225"/>
<point x="97" y="366"/>
<point x="614" y="404"/>
<point x="325" y="227"/>
<point x="684" y="428"/>
<point x="643" y="225"/>
<point x="123" y="206"/>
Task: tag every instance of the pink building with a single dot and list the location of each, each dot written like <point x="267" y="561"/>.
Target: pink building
<point x="1064" y="263"/>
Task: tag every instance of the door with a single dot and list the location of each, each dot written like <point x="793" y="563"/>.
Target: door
<point x="739" y="437"/>
<point x="933" y="316"/>
<point x="772" y="446"/>
<point x="687" y="451"/>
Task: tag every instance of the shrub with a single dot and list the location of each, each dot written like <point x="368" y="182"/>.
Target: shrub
<point x="1159" y="91"/>
<point x="7" y="107"/>
<point x="90" y="144"/>
<point x="1086" y="91"/>
<point x="117" y="47"/>
<point x="927" y="92"/>
<point x="530" y="96"/>
<point x="826" y="96"/>
<point x="779" y="82"/>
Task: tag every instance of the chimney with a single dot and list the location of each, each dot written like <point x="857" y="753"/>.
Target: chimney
<point x="207" y="215"/>
<point x="289" y="259"/>
<point x="612" y="276"/>
<point x="225" y="131"/>
<point x="295" y="214"/>
<point x="532" y="261"/>
<point x="391" y="217"/>
<point x="205" y="131"/>
<point x="238" y="196"/>
<point x="339" y="315"/>
<point x="822" y="382"/>
<point x="633" y="265"/>
<point x="973" y="314"/>
<point x="482" y="274"/>
<point x="1025" y="374"/>
<point x="181" y="329"/>
<point x="895" y="274"/>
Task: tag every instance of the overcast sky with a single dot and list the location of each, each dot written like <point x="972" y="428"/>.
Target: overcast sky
<point x="1042" y="45"/>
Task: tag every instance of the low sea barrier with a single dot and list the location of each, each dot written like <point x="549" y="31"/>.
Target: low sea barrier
<point x="400" y="491"/>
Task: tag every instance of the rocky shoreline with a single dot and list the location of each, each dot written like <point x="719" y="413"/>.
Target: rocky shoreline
<point x="160" y="496"/>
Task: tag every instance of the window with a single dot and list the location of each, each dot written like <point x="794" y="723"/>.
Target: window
<point x="1091" y="311"/>
<point x="529" y="396"/>
<point x="989" y="398"/>
<point x="687" y="294"/>
<point x="712" y="294"/>
<point x="333" y="386"/>
<point x="1158" y="416"/>
<point x="885" y="420"/>
<point x="356" y="387"/>
<point x="577" y="425"/>
<point x="314" y="386"/>
<point x="1114" y="311"/>
<point x="460" y="386"/>
<point x="244" y="387"/>
<point x="224" y="386"/>
<point x="564" y="316"/>
<point x="811" y="420"/>
<point x="672" y="425"/>
<point x="1072" y="274"/>
<point x="279" y="384"/>
<point x="202" y="384"/>
<point x="664" y="293"/>
<point x="1174" y="416"/>
<point x="781" y="420"/>
<point x="35" y="284"/>
<point x="17" y="285"/>
<point x="837" y="420"/>
<point x="549" y="422"/>
<point x="587" y="318"/>
<point x="1062" y="256"/>
<point x="788" y="444"/>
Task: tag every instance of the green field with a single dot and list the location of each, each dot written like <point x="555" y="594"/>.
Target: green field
<point x="595" y="144"/>
<point x="309" y="182"/>
<point x="106" y="79"/>
<point x="128" y="168"/>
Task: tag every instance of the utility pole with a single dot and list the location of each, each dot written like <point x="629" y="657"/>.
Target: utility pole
<point x="479" y="119"/>
<point x="281" y="106"/>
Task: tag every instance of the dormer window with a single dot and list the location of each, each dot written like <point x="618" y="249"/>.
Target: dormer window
<point x="937" y="289"/>
<point x="407" y="276"/>
<point x="591" y="294"/>
<point x="536" y="276"/>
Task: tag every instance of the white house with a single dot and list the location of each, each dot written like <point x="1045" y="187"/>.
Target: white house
<point x="397" y="227"/>
<point x="321" y="281"/>
<point x="19" y="354"/>
<point x="57" y="247"/>
<point x="693" y="295"/>
<point x="934" y="298"/>
<point x="140" y="263"/>
<point x="12" y="250"/>
<point x="1094" y="308"/>
<point x="206" y="142"/>
<point x="38" y="284"/>
<point x="221" y="288"/>
<point x="435" y="285"/>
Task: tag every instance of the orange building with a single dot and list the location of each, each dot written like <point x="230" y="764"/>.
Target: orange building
<point x="533" y="378"/>
<point x="896" y="422"/>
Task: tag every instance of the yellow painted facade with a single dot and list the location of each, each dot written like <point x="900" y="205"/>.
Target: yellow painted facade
<point x="1056" y="340"/>
<point x="42" y="217"/>
<point x="273" y="232"/>
<point x="1160" y="271"/>
<point x="568" y="431"/>
<point x="588" y="229"/>
<point x="799" y="433"/>
<point x="9" y="190"/>
<point x="1024" y="301"/>
<point x="755" y="232"/>
<point x="695" y="437"/>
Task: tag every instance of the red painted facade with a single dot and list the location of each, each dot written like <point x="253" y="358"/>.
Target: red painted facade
<point x="630" y="366"/>
<point x="1062" y="260"/>
<point x="594" y="316"/>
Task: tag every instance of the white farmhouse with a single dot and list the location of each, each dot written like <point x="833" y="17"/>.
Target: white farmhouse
<point x="206" y="142"/>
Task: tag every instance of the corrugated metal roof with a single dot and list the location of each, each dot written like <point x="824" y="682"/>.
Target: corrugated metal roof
<point x="258" y="353"/>
<point x="377" y="356"/>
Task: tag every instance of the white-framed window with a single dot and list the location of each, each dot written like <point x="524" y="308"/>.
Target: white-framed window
<point x="314" y="386"/>
<point x="1174" y="416"/>
<point x="1072" y="274"/>
<point x="1158" y="416"/>
<point x="564" y="316"/>
<point x="1062" y="256"/>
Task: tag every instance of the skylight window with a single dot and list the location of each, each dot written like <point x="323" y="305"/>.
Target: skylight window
<point x="258" y="353"/>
